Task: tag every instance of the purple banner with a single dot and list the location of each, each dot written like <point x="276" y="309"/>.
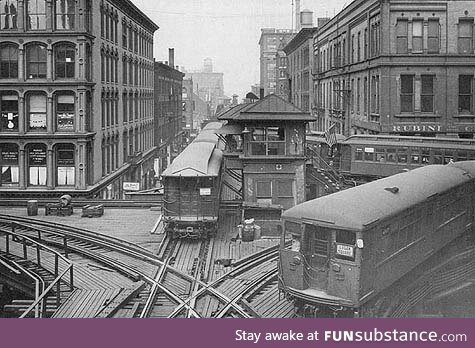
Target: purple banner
<point x="127" y="333"/>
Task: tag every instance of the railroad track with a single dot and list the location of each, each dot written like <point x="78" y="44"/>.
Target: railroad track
<point x="174" y="281"/>
<point x="108" y="253"/>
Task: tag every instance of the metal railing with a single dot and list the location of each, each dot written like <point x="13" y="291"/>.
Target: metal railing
<point x="39" y="304"/>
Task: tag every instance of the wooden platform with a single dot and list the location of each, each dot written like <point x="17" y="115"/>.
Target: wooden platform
<point x="95" y="303"/>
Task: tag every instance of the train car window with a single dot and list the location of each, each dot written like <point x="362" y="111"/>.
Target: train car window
<point x="462" y="156"/>
<point x="345" y="245"/>
<point x="293" y="232"/>
<point x="425" y="158"/>
<point x="438" y="157"/>
<point x="449" y="156"/>
<point x="359" y="154"/>
<point x="380" y="155"/>
<point x="471" y="156"/>
<point x="415" y="156"/>
<point x="391" y="155"/>
<point x="369" y="154"/>
<point x="402" y="155"/>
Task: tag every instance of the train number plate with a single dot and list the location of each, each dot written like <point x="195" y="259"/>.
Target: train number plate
<point x="344" y="250"/>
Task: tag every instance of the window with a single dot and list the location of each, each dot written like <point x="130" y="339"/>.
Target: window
<point x="380" y="155"/>
<point x="36" y="14"/>
<point x="391" y="156"/>
<point x="433" y="36"/>
<point x="65" y="111"/>
<point x="358" y="154"/>
<point x="36" y="61"/>
<point x="401" y="36"/>
<point x="9" y="112"/>
<point x="407" y="93"/>
<point x="427" y="93"/>
<point x="8" y="14"/>
<point x="9" y="169"/>
<point x="345" y="242"/>
<point x="37" y="164"/>
<point x="8" y="61"/>
<point x="65" y="61"/>
<point x="263" y="189"/>
<point x="465" y="39"/>
<point x="37" y="112"/>
<point x="465" y="94"/>
<point x="417" y="36"/>
<point x="369" y="154"/>
<point x="65" y="165"/>
<point x="284" y="188"/>
<point x="65" y="11"/>
<point x="402" y="155"/>
<point x="268" y="141"/>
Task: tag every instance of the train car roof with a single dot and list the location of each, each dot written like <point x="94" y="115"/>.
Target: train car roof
<point x="212" y="126"/>
<point x="207" y="136"/>
<point x="197" y="159"/>
<point x="358" y="207"/>
<point x="398" y="141"/>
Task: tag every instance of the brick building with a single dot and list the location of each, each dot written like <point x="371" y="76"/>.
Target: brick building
<point x="76" y="97"/>
<point x="397" y="67"/>
<point x="169" y="119"/>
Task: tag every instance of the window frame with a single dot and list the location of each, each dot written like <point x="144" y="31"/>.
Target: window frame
<point x="11" y="61"/>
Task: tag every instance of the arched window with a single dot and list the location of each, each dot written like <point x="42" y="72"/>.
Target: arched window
<point x="65" y="165"/>
<point x="37" y="112"/>
<point x="8" y="14"/>
<point x="36" y="14"/>
<point x="8" y="61"/>
<point x="65" y="111"/>
<point x="36" y="61"/>
<point x="65" y="56"/>
<point x="9" y="112"/>
<point x="64" y="12"/>
<point x="9" y="170"/>
<point x="37" y="164"/>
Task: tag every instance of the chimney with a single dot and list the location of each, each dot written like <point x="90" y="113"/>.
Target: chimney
<point x="261" y="93"/>
<point x="171" y="57"/>
<point x="297" y="15"/>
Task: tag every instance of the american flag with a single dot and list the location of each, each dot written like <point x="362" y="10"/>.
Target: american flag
<point x="330" y="136"/>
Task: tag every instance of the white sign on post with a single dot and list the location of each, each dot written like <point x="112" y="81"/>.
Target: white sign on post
<point x="131" y="186"/>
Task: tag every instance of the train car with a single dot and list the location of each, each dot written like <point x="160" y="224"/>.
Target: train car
<point x="350" y="247"/>
<point x="191" y="187"/>
<point x="376" y="156"/>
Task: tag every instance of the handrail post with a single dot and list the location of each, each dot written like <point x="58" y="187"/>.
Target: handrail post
<point x="56" y="273"/>
<point x="65" y="246"/>
<point x="71" y="285"/>
<point x="25" y="253"/>
<point x="38" y="254"/>
<point x="7" y="243"/>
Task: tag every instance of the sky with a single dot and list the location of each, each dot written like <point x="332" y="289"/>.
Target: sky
<point x="227" y="31"/>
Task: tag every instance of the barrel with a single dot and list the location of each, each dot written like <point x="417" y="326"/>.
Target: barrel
<point x="32" y="207"/>
<point x="247" y="233"/>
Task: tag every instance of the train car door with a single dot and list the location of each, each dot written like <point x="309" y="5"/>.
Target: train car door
<point x="318" y="241"/>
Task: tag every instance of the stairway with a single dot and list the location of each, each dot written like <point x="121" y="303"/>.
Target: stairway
<point x="232" y="188"/>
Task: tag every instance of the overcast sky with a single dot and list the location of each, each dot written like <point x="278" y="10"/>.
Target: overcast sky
<point x="227" y="31"/>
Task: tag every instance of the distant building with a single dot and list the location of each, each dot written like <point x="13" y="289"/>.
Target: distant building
<point x="195" y="109"/>
<point x="76" y="98"/>
<point x="208" y="85"/>
<point x="300" y="55"/>
<point x="169" y="120"/>
<point x="270" y="41"/>
<point x="398" y="67"/>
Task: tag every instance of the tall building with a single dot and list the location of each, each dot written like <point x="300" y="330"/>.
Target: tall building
<point x="168" y="109"/>
<point x="208" y="85"/>
<point x="270" y="42"/>
<point x="398" y="67"/>
<point x="76" y="97"/>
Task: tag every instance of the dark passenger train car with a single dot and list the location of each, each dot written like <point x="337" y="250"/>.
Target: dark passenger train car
<point x="191" y="187"/>
<point x="384" y="155"/>
<point x="348" y="247"/>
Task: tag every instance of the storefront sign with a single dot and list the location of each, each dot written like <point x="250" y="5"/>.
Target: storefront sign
<point x="131" y="186"/>
<point x="37" y="157"/>
<point x="9" y="156"/>
<point x="65" y="121"/>
<point x="205" y="191"/>
<point x="37" y="121"/>
<point x="345" y="250"/>
<point x="418" y="128"/>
